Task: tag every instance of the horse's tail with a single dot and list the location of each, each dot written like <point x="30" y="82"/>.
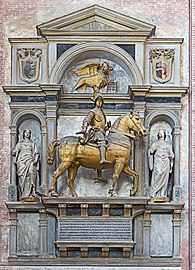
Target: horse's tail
<point x="51" y="152"/>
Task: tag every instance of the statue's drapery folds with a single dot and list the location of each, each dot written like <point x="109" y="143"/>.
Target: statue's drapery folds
<point x="160" y="156"/>
<point x="26" y="157"/>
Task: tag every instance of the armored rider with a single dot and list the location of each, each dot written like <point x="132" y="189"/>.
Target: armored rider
<point x="97" y="120"/>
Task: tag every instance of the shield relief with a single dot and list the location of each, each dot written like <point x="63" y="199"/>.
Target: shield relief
<point x="29" y="60"/>
<point x="162" y="60"/>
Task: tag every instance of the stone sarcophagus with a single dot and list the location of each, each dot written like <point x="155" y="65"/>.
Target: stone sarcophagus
<point x="95" y="144"/>
<point x="90" y="230"/>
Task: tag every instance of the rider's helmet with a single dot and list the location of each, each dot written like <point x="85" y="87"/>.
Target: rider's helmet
<point x="97" y="97"/>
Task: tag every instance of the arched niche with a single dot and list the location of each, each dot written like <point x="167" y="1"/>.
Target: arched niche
<point x="22" y="115"/>
<point x="34" y="126"/>
<point x="171" y="124"/>
<point x="167" y="116"/>
<point x="161" y="126"/>
<point x="35" y="121"/>
<point x="82" y="54"/>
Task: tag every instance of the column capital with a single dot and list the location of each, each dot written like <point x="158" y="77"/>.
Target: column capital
<point x="139" y="90"/>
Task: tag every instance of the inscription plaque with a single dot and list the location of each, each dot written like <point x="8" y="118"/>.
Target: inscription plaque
<point x="95" y="230"/>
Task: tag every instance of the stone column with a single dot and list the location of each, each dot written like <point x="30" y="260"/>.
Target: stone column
<point x="13" y="233"/>
<point x="146" y="233"/>
<point x="51" y="107"/>
<point x="43" y="232"/>
<point x="43" y="159"/>
<point x="176" y="233"/>
<point x="13" y="186"/>
<point x="146" y="171"/>
<point x="138" y="94"/>
<point x="176" y="185"/>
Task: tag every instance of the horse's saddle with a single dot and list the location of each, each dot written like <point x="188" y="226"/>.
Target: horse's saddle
<point x="114" y="138"/>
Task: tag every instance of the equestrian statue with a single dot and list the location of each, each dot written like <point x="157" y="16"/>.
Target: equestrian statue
<point x="95" y="150"/>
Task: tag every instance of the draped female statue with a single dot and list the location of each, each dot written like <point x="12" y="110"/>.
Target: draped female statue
<point x="160" y="156"/>
<point x="26" y="158"/>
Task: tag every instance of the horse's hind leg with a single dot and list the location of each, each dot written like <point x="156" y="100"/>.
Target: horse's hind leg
<point x="133" y="173"/>
<point x="72" y="172"/>
<point x="117" y="170"/>
<point x="62" y="168"/>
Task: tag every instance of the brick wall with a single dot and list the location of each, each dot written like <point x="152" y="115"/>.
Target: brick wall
<point x="192" y="131"/>
<point x="19" y="19"/>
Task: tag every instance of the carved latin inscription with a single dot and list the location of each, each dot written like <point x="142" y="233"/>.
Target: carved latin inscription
<point x="95" y="230"/>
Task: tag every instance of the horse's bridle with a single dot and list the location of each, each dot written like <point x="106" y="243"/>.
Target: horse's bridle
<point x="134" y="123"/>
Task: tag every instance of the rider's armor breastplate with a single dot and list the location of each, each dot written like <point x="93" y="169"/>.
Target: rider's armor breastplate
<point x="99" y="119"/>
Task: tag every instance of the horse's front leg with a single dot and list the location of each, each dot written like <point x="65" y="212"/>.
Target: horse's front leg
<point x="72" y="172"/>
<point x="117" y="170"/>
<point x="133" y="173"/>
<point x="62" y="168"/>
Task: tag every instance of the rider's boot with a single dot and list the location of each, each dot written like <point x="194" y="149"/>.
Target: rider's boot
<point x="100" y="177"/>
<point x="103" y="155"/>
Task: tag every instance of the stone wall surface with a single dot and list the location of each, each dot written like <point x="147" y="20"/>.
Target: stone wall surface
<point x="86" y="268"/>
<point x="192" y="131"/>
<point x="19" y="20"/>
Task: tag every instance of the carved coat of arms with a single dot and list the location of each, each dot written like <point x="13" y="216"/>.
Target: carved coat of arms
<point x="162" y="60"/>
<point x="29" y="60"/>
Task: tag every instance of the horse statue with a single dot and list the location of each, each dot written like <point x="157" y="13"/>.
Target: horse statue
<point x="72" y="154"/>
<point x="96" y="76"/>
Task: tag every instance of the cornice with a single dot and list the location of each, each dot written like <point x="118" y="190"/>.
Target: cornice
<point x="165" y="40"/>
<point x="27" y="40"/>
<point x="171" y="90"/>
<point x="158" y="91"/>
<point x="32" y="90"/>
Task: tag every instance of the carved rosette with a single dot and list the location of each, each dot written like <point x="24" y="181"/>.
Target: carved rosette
<point x="162" y="60"/>
<point x="29" y="60"/>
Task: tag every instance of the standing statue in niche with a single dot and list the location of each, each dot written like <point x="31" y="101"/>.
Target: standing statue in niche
<point x="160" y="156"/>
<point x="26" y="158"/>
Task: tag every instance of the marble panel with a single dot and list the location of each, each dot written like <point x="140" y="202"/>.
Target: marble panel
<point x="138" y="236"/>
<point x="28" y="234"/>
<point x="161" y="235"/>
<point x="51" y="235"/>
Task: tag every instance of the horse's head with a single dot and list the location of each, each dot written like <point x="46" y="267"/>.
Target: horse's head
<point x="136" y="125"/>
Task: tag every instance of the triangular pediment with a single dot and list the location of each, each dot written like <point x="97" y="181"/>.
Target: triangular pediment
<point x="95" y="19"/>
<point x="94" y="24"/>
